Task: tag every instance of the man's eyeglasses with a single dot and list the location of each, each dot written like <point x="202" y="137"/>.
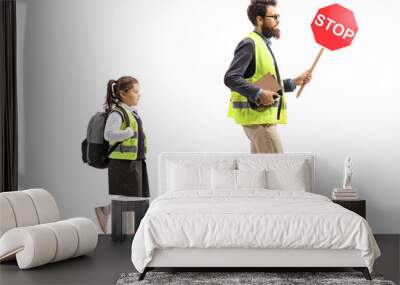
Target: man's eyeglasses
<point x="276" y="17"/>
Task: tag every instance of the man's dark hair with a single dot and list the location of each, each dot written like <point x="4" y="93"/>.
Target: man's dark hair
<point x="258" y="8"/>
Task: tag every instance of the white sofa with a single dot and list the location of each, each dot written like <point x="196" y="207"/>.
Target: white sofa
<point x="32" y="233"/>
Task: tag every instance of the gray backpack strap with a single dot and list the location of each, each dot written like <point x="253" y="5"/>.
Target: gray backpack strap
<point x="113" y="148"/>
<point x="122" y="112"/>
<point x="119" y="112"/>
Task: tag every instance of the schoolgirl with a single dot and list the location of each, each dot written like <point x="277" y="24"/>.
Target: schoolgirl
<point x="127" y="170"/>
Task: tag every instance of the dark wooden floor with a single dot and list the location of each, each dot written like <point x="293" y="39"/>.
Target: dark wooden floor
<point x="110" y="260"/>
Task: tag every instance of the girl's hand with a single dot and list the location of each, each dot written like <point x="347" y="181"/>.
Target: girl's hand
<point x="130" y="131"/>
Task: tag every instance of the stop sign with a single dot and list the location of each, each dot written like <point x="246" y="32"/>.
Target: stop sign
<point x="334" y="27"/>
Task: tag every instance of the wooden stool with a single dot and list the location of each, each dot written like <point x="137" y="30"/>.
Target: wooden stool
<point x="123" y="204"/>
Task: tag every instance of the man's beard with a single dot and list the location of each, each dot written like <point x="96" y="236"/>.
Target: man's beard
<point x="271" y="32"/>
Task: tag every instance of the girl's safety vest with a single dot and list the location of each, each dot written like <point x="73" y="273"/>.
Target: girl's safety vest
<point x="128" y="149"/>
<point x="239" y="107"/>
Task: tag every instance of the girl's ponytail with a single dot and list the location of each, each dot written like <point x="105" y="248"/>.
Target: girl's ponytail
<point x="111" y="98"/>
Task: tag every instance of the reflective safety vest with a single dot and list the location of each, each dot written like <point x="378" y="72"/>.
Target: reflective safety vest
<point x="128" y="149"/>
<point x="239" y="107"/>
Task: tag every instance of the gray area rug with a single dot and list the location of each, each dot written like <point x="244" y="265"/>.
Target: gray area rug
<point x="243" y="278"/>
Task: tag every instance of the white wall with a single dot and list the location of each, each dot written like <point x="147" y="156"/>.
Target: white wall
<point x="180" y="50"/>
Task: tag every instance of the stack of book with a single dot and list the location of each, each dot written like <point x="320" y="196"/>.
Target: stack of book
<point x="344" y="194"/>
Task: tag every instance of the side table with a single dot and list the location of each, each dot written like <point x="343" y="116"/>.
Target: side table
<point x="357" y="206"/>
<point x="123" y="204"/>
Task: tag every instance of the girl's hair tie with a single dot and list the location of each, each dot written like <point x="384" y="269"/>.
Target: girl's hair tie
<point x="112" y="88"/>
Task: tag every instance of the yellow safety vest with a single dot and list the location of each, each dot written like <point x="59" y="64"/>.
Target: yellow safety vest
<point x="239" y="108"/>
<point x="128" y="149"/>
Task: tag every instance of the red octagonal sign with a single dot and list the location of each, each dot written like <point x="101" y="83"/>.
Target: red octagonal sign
<point x="334" y="27"/>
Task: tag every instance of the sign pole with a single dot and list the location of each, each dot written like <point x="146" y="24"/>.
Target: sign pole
<point x="311" y="70"/>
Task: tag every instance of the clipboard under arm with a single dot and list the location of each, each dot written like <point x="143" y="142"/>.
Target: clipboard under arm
<point x="268" y="82"/>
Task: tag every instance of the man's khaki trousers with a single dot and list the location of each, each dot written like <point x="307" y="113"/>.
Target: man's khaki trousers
<point x="264" y="138"/>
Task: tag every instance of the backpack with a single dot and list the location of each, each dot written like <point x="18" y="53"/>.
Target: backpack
<point x="95" y="149"/>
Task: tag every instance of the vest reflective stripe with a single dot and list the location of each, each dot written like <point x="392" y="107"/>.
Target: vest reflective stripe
<point x="124" y="148"/>
<point x="244" y="105"/>
<point x="128" y="149"/>
<point x="239" y="107"/>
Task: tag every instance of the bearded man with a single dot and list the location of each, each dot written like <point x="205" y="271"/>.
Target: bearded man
<point x="257" y="110"/>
